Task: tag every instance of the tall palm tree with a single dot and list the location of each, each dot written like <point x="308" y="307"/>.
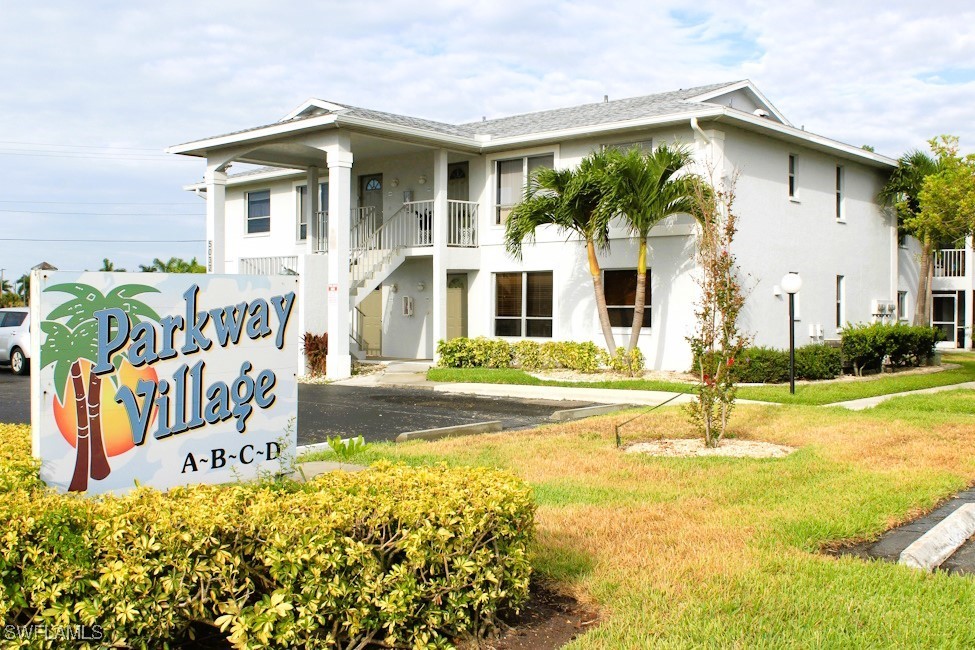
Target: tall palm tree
<point x="902" y="193"/>
<point x="644" y="188"/>
<point x="23" y="287"/>
<point x="109" y="265"/>
<point x="569" y="200"/>
<point x="66" y="344"/>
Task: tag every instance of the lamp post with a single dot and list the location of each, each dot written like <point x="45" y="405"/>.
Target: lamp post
<point x="791" y="283"/>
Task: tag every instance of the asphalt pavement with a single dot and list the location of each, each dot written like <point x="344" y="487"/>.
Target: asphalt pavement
<point x="375" y="413"/>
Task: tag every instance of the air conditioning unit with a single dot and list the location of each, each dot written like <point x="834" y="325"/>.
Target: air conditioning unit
<point x="408" y="306"/>
<point x="882" y="307"/>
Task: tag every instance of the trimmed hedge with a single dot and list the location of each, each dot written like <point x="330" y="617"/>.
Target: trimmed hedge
<point x="770" y="366"/>
<point x="865" y="346"/>
<point x="402" y="556"/>
<point x="483" y="352"/>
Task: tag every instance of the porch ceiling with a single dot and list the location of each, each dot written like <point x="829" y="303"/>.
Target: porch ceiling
<point x="294" y="155"/>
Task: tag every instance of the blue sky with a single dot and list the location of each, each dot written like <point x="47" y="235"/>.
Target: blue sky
<point x="95" y="91"/>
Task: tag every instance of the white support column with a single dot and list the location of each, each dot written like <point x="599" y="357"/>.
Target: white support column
<point x="969" y="293"/>
<point x="311" y="210"/>
<point x="339" y="361"/>
<point x="438" y="311"/>
<point x="216" y="184"/>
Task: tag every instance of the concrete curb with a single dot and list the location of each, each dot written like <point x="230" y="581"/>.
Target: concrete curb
<point x="937" y="545"/>
<point x="869" y="402"/>
<point x="561" y="393"/>
<point x="450" y="432"/>
<point x="567" y="415"/>
<point x="308" y="471"/>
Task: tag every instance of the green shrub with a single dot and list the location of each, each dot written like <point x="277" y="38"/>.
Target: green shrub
<point x="762" y="365"/>
<point x="864" y="346"/>
<point x="479" y="352"/>
<point x="815" y="362"/>
<point x="406" y="557"/>
<point x="584" y="357"/>
<point x="628" y="362"/>
<point x="528" y="355"/>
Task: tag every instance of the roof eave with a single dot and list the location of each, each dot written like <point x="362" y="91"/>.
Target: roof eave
<point x="200" y="148"/>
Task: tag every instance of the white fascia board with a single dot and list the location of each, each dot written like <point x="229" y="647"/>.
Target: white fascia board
<point x="317" y="103"/>
<point x="745" y="83"/>
<point x="199" y="147"/>
<point x="409" y="133"/>
<point x="787" y="132"/>
<point x="596" y="129"/>
<point x="249" y="178"/>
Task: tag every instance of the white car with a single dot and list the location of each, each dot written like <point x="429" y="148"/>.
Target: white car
<point x="15" y="338"/>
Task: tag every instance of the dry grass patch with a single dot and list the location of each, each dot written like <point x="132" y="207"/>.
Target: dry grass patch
<point x="722" y="552"/>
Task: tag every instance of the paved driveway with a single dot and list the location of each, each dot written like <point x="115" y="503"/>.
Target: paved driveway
<point x="374" y="413"/>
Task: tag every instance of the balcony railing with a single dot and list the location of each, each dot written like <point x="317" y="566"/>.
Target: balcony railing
<point x="462" y="224"/>
<point x="321" y="241"/>
<point x="279" y="265"/>
<point x="949" y="263"/>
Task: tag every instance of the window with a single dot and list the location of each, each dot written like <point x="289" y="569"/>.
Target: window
<point x="322" y="207"/>
<point x="840" y="216"/>
<point x="511" y="175"/>
<point x="258" y="212"/>
<point x="620" y="289"/>
<point x="840" y="300"/>
<point x="902" y="305"/>
<point x="12" y="318"/>
<point x="793" y="167"/>
<point x="523" y="304"/>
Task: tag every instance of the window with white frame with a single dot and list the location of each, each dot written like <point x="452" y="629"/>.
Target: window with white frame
<point x="840" y="181"/>
<point x="302" y="217"/>
<point x="902" y="306"/>
<point x="619" y="286"/>
<point x="793" y="171"/>
<point x="511" y="176"/>
<point x="523" y="304"/>
<point x="840" y="301"/>
<point x="258" y="212"/>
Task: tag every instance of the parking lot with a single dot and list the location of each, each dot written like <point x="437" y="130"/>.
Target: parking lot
<point x="374" y="413"/>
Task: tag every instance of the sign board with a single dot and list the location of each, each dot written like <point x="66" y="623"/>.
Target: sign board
<point x="162" y="379"/>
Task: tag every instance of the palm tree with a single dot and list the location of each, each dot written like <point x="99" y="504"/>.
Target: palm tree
<point x="902" y="192"/>
<point x="569" y="200"/>
<point x="173" y="265"/>
<point x="66" y="344"/>
<point x="4" y="286"/>
<point x="643" y="188"/>
<point x="23" y="287"/>
<point x="109" y="265"/>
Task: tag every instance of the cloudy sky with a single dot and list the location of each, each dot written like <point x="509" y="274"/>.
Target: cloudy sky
<point x="94" y="91"/>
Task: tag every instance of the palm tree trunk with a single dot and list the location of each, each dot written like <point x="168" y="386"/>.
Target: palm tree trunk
<point x="641" y="295"/>
<point x="597" y="285"/>
<point x="924" y="283"/>
<point x="99" y="461"/>
<point x="79" y="480"/>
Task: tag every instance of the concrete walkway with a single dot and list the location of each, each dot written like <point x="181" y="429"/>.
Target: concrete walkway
<point x="869" y="402"/>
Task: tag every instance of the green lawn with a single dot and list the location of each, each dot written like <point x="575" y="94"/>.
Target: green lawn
<point x="725" y="552"/>
<point x="816" y="393"/>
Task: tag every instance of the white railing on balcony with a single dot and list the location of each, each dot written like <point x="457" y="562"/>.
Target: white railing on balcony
<point x="321" y="241"/>
<point x="421" y="212"/>
<point x="949" y="263"/>
<point x="462" y="224"/>
<point x="279" y="265"/>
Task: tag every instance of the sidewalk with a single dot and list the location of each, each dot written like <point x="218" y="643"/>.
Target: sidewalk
<point x="869" y="402"/>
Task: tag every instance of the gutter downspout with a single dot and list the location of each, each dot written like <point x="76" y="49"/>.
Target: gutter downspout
<point x="697" y="129"/>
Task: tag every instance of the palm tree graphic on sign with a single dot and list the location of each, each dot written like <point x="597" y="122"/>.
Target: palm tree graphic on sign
<point x="96" y="428"/>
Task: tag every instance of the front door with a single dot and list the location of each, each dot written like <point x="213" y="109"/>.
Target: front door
<point x="458" y="185"/>
<point x="944" y="316"/>
<point x="372" y="323"/>
<point x="456" y="306"/>
<point x="371" y="207"/>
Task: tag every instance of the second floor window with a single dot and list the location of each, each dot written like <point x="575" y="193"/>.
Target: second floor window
<point x="511" y="175"/>
<point x="793" y="170"/>
<point x="258" y="212"/>
<point x="840" y="215"/>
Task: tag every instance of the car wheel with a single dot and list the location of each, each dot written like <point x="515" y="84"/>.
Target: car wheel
<point x="18" y="362"/>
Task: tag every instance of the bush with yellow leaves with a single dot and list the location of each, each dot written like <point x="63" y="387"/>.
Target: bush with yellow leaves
<point x="401" y="556"/>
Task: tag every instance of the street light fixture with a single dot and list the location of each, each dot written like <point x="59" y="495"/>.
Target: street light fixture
<point x="791" y="283"/>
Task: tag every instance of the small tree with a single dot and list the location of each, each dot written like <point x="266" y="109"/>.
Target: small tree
<point x="717" y="342"/>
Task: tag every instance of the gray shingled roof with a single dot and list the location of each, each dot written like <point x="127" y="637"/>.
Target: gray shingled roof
<point x="539" y="122"/>
<point x="591" y="114"/>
